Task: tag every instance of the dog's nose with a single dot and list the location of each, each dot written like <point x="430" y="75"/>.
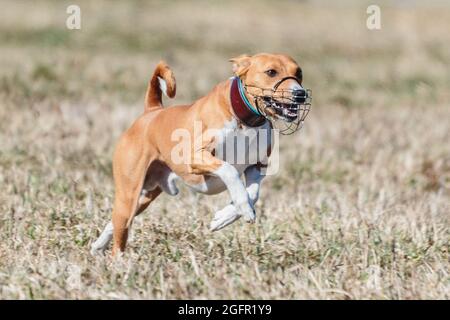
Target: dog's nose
<point x="299" y="95"/>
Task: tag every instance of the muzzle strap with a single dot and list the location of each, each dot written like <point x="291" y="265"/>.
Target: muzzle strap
<point x="244" y="98"/>
<point x="286" y="109"/>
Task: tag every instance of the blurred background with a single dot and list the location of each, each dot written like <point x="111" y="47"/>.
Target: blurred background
<point x="360" y="208"/>
<point x="114" y="53"/>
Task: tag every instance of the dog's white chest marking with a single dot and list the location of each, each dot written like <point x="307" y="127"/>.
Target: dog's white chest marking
<point x="240" y="147"/>
<point x="243" y="146"/>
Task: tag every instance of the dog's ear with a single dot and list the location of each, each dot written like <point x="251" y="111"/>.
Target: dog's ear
<point x="240" y="64"/>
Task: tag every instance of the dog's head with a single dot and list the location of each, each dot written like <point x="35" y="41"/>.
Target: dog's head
<point x="274" y="83"/>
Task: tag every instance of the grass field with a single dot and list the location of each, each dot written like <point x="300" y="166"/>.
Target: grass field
<point x="359" y="210"/>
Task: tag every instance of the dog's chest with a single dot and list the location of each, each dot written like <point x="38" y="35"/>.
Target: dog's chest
<point x="239" y="146"/>
<point x="243" y="146"/>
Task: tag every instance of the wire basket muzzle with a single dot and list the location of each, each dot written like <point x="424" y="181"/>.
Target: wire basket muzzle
<point x="286" y="109"/>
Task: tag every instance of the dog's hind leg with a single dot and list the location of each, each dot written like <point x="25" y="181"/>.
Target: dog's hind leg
<point x="130" y="166"/>
<point x="122" y="223"/>
<point x="100" y="245"/>
<point x="146" y="198"/>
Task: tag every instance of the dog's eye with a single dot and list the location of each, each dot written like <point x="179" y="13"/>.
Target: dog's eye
<point x="271" y="73"/>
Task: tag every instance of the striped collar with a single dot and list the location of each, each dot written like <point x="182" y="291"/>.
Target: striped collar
<point x="242" y="108"/>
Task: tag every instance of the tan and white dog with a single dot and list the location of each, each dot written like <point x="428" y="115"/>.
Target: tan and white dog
<point x="144" y="164"/>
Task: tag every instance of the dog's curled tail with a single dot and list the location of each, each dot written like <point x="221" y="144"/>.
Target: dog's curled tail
<point x="162" y="80"/>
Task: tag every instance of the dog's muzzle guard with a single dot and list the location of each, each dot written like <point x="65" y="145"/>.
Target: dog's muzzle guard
<point x="285" y="108"/>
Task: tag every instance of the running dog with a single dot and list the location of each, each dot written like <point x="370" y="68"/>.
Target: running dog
<point x="150" y="159"/>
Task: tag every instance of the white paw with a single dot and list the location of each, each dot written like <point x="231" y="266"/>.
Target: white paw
<point x="97" y="250"/>
<point x="248" y="212"/>
<point x="101" y="244"/>
<point x="224" y="217"/>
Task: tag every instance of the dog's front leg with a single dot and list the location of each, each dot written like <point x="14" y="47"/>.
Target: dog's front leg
<point x="253" y="179"/>
<point x="206" y="163"/>
<point x="229" y="214"/>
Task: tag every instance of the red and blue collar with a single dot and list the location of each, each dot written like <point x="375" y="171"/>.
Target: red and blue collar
<point x="242" y="108"/>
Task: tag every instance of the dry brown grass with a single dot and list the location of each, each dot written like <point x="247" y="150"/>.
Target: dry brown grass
<point x="359" y="210"/>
